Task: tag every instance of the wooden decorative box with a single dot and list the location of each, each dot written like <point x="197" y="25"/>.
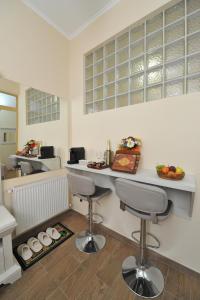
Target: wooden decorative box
<point x="126" y="161"/>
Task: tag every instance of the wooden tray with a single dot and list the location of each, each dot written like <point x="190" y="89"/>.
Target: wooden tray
<point x="97" y="168"/>
<point x="176" y="177"/>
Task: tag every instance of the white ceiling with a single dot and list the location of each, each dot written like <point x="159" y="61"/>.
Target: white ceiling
<point x="70" y="17"/>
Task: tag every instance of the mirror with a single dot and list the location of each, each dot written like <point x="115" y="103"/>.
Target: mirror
<point x="29" y="118"/>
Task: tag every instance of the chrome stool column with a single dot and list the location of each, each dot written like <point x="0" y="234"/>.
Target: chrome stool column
<point x="84" y="188"/>
<point x="147" y="203"/>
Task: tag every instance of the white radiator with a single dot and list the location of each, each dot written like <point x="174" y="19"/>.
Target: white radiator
<point x="37" y="202"/>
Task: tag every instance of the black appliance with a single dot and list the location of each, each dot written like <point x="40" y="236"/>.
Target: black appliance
<point x="76" y="154"/>
<point x="46" y="152"/>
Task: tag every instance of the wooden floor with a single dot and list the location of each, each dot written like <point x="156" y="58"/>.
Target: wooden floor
<point x="66" y="273"/>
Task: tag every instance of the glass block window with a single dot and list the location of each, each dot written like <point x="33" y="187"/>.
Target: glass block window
<point x="157" y="57"/>
<point x="41" y="107"/>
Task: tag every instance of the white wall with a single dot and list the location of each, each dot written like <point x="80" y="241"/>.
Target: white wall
<point x="168" y="128"/>
<point x="34" y="54"/>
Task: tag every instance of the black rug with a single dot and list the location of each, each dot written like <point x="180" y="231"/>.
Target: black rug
<point x="65" y="234"/>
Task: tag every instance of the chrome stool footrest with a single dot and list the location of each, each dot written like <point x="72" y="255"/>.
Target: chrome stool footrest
<point x="147" y="245"/>
<point x="96" y="218"/>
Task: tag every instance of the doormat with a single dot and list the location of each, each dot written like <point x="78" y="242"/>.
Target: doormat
<point x="65" y="234"/>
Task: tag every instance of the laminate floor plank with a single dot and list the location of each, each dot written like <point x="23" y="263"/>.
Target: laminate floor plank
<point x="68" y="274"/>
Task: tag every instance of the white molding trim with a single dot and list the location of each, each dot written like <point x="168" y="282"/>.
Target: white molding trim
<point x="74" y="34"/>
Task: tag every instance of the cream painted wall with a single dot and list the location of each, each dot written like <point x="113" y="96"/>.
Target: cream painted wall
<point x="9" y="86"/>
<point x="34" y="54"/>
<point x="168" y="128"/>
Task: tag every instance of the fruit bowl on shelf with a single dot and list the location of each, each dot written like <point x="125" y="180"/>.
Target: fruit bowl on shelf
<point x="170" y="172"/>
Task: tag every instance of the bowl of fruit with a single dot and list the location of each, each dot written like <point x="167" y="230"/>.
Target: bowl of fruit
<point x="170" y="172"/>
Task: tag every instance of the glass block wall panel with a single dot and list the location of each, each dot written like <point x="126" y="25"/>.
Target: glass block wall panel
<point x="175" y="50"/>
<point x="110" y="48"/>
<point x="110" y="61"/>
<point x="98" y="94"/>
<point x="154" y="76"/>
<point x="122" y="55"/>
<point x="99" y="54"/>
<point x="123" y="40"/>
<point x="137" y="82"/>
<point x="137" y="49"/>
<point x="157" y="57"/>
<point x="175" y="70"/>
<point x="193" y="22"/>
<point x="137" y="65"/>
<point x="175" y="12"/>
<point x="137" y="33"/>
<point x="193" y="43"/>
<point x="98" y="81"/>
<point x="123" y="71"/>
<point x="98" y="68"/>
<point x="137" y="97"/>
<point x="174" y="32"/>
<point x="174" y="88"/>
<point x="155" y="40"/>
<point x="193" y="84"/>
<point x="110" y="90"/>
<point x="110" y="76"/>
<point x="155" y="23"/>
<point x="43" y="107"/>
<point x="122" y="100"/>
<point x="98" y="106"/>
<point x="192" y="5"/>
<point x="154" y="93"/>
<point x="194" y="64"/>
<point x="122" y="86"/>
<point x="110" y="103"/>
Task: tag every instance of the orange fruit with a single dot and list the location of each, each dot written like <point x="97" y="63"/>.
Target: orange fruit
<point x="165" y="170"/>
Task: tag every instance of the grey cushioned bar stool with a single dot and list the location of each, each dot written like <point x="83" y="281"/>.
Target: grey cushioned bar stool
<point x="148" y="203"/>
<point x="85" y="188"/>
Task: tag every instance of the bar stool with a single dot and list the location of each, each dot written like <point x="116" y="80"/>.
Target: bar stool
<point x="148" y="203"/>
<point x="85" y="188"/>
<point x="26" y="168"/>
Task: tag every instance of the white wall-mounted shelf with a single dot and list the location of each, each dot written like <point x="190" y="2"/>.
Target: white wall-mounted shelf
<point x="181" y="192"/>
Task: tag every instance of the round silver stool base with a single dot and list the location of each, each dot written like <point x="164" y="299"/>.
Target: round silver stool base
<point x="90" y="243"/>
<point x="145" y="281"/>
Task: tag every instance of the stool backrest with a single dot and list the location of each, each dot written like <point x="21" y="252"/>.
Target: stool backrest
<point x="142" y="197"/>
<point x="81" y="185"/>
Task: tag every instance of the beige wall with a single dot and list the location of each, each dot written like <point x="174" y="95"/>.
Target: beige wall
<point x="34" y="54"/>
<point x="9" y="86"/>
<point x="168" y="128"/>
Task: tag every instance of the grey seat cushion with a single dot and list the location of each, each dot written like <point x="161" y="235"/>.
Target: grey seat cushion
<point x="142" y="197"/>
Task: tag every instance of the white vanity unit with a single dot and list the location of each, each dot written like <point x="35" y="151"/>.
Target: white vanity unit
<point x="181" y="193"/>
<point x="10" y="270"/>
<point x="47" y="164"/>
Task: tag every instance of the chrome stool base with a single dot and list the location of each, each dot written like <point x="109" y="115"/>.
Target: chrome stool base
<point x="89" y="243"/>
<point x="144" y="281"/>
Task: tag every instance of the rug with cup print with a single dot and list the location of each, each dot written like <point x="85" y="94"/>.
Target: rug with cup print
<point x="65" y="234"/>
